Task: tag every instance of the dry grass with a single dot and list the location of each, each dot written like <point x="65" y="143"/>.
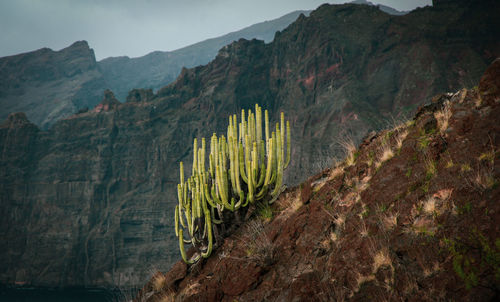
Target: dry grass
<point x="363" y="230"/>
<point x="386" y="153"/>
<point x="380" y="259"/>
<point x="483" y="179"/>
<point x="289" y="205"/>
<point x="166" y="297"/>
<point x="400" y="139"/>
<point x="361" y="279"/>
<point x="390" y="220"/>
<point x="257" y="245"/>
<point x="443" y="117"/>
<point x="429" y="206"/>
<point x="349" y="148"/>
<point x="158" y="281"/>
<point x="430" y="166"/>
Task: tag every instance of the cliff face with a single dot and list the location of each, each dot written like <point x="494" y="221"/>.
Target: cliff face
<point x="414" y="217"/>
<point x="90" y="201"/>
<point x="49" y="85"/>
<point x="160" y="68"/>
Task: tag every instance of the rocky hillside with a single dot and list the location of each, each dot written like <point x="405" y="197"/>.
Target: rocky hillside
<point x="410" y="215"/>
<point x="47" y="85"/>
<point x="90" y="201"/>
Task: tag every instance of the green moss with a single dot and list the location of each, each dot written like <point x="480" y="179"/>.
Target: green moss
<point x="465" y="167"/>
<point x="473" y="256"/>
<point x="408" y="172"/>
<point x="265" y="212"/>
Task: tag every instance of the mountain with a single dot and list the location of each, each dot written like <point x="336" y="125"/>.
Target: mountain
<point x="414" y="217"/>
<point x="90" y="201"/>
<point x="384" y="8"/>
<point x="48" y="85"/>
<point x="160" y="68"/>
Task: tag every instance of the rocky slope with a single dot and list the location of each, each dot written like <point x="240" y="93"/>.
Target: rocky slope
<point x="411" y="215"/>
<point x="48" y="85"/>
<point x="90" y="201"/>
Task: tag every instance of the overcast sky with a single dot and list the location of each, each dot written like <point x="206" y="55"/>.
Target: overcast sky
<point x="135" y="28"/>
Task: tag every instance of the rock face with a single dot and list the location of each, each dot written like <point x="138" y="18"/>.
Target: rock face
<point x="48" y="85"/>
<point x="420" y="224"/>
<point x="90" y="201"/>
<point x="160" y="68"/>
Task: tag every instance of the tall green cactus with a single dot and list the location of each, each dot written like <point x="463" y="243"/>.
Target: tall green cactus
<point x="243" y="169"/>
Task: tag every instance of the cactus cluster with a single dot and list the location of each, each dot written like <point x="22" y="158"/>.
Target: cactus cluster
<point x="245" y="167"/>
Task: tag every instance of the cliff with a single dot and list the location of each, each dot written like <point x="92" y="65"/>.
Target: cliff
<point x="160" y="68"/>
<point x="90" y="201"/>
<point x="48" y="85"/>
<point x="414" y="216"/>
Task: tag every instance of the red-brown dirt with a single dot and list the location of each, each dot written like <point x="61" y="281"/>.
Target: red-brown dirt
<point x="414" y="216"/>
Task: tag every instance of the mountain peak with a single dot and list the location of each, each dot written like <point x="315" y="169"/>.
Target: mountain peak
<point x="16" y="120"/>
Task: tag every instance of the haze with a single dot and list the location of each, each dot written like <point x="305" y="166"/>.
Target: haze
<point x="135" y="28"/>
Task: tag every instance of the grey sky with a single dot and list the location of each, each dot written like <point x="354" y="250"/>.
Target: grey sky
<point x="135" y="28"/>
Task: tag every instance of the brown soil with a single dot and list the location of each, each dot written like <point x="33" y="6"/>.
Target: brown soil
<point x="416" y="217"/>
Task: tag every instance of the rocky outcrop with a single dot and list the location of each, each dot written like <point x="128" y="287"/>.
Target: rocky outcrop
<point x="415" y="217"/>
<point x="90" y="201"/>
<point x="49" y="85"/>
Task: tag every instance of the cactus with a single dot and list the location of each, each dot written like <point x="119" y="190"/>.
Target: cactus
<point x="243" y="168"/>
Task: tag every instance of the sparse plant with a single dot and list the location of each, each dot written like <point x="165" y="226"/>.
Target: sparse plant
<point x="265" y="212"/>
<point x="380" y="259"/>
<point x="158" y="281"/>
<point x="443" y="116"/>
<point x="385" y="154"/>
<point x="257" y="245"/>
<point x="482" y="179"/>
<point x="390" y="220"/>
<point x="349" y="148"/>
<point x="408" y="172"/>
<point x="430" y="168"/>
<point x="424" y="140"/>
<point x="487" y="156"/>
<point x="465" y="167"/>
<point x="400" y="139"/>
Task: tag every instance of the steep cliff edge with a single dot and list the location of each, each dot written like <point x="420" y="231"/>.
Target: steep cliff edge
<point x="48" y="85"/>
<point x="90" y="201"/>
<point x="414" y="216"/>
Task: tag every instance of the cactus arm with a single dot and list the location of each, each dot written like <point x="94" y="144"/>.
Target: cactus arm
<point x="195" y="155"/>
<point x="236" y="159"/>
<point x="261" y="193"/>
<point x="208" y="224"/>
<point x="183" y="251"/>
<point x="208" y="196"/>
<point x="214" y="220"/>
<point x="177" y="221"/>
<point x="242" y="164"/>
<point x="288" y="144"/>
<point x="282" y="132"/>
